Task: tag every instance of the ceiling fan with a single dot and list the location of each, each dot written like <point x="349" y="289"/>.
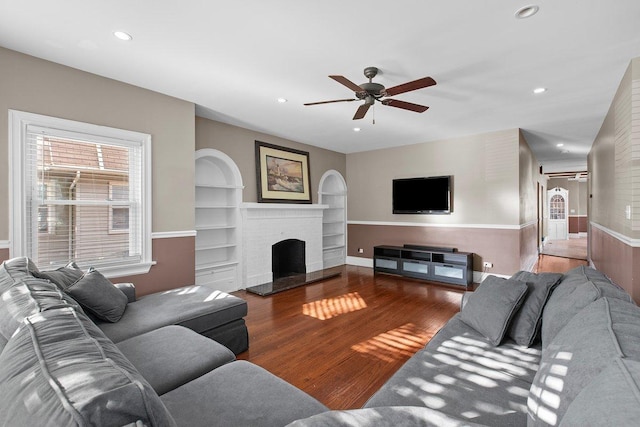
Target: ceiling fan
<point x="371" y="92"/>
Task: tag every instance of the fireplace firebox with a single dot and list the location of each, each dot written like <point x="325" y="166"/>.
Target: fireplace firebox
<point x="288" y="258"/>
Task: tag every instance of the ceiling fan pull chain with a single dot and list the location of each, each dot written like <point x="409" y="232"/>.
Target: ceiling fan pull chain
<point x="374" y="114"/>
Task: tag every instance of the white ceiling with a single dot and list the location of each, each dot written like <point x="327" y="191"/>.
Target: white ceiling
<point x="233" y="59"/>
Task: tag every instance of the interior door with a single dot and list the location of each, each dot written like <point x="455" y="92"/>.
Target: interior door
<point x="558" y="223"/>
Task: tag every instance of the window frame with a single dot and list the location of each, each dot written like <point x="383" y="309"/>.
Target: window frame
<point x="19" y="121"/>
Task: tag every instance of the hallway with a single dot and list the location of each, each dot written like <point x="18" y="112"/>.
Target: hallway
<point x="574" y="247"/>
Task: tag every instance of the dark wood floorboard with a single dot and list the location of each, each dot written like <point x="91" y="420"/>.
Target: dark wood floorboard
<point x="339" y="340"/>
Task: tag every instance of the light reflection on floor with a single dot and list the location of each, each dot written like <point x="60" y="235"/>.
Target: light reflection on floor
<point x="401" y="342"/>
<point x="331" y="307"/>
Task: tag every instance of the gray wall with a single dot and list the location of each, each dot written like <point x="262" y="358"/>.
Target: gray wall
<point x="239" y="144"/>
<point x="485" y="171"/>
<point x="614" y="183"/>
<point x="494" y="199"/>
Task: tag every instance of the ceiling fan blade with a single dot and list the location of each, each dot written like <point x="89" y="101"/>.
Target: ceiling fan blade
<point x="405" y="105"/>
<point x="361" y="112"/>
<point x="348" y="83"/>
<point x="329" y="102"/>
<point x="408" y="87"/>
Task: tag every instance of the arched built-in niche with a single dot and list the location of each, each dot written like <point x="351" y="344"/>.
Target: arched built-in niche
<point x="332" y="191"/>
<point x="217" y="220"/>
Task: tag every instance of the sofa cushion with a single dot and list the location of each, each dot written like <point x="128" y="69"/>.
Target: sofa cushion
<point x="612" y="398"/>
<point x="577" y="289"/>
<point x="606" y="329"/>
<point x="63" y="277"/>
<point x="239" y="394"/>
<point x="14" y="270"/>
<point x="386" y="416"/>
<point x="196" y="307"/>
<point x="28" y="296"/>
<point x="99" y="296"/>
<point x="59" y="369"/>
<point x="490" y="308"/>
<point x="173" y="355"/>
<point x="525" y="325"/>
<point x="462" y="374"/>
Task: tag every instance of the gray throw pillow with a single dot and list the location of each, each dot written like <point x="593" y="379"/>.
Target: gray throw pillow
<point x="62" y="277"/>
<point x="525" y="325"/>
<point x="99" y="296"/>
<point x="491" y="307"/>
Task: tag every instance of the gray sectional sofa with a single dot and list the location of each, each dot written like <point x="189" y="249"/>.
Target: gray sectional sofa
<point x="536" y="349"/>
<point x="144" y="363"/>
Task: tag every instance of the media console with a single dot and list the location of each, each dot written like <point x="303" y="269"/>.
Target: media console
<point x="425" y="262"/>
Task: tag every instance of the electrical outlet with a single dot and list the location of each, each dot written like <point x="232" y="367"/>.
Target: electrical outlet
<point x="360" y="250"/>
<point x="488" y="265"/>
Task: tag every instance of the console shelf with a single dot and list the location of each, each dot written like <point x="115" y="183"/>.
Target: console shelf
<point x="427" y="263"/>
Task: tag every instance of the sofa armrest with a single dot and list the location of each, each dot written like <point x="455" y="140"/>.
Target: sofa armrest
<point x="463" y="301"/>
<point x="129" y="289"/>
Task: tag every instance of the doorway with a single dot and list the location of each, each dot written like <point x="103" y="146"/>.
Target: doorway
<point x="558" y="222"/>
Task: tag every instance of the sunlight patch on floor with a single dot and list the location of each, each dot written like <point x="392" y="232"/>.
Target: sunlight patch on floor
<point x="395" y="344"/>
<point x="331" y="307"/>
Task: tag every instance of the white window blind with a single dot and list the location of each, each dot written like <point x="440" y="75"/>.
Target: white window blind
<point x="84" y="197"/>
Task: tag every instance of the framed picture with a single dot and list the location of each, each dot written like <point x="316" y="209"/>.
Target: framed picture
<point x="283" y="174"/>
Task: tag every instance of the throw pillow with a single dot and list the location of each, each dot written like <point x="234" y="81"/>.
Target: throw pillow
<point x="99" y="296"/>
<point x="525" y="325"/>
<point x="62" y="277"/>
<point x="490" y="308"/>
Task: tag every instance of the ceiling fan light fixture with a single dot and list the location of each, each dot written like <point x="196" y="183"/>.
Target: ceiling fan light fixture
<point x="527" y="11"/>
<point x="122" y="36"/>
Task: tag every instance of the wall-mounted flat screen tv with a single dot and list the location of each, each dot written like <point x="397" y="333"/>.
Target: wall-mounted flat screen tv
<point x="427" y="195"/>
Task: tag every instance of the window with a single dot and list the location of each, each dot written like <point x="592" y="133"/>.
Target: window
<point x="556" y="207"/>
<point x="80" y="193"/>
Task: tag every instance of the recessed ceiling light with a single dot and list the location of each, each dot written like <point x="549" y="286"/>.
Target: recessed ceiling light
<point x="560" y="145"/>
<point x="282" y="100"/>
<point x="122" y="35"/>
<point x="527" y="11"/>
<point x="540" y="90"/>
<point x="356" y="129"/>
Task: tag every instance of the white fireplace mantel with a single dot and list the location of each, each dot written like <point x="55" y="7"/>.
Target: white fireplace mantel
<point x="264" y="224"/>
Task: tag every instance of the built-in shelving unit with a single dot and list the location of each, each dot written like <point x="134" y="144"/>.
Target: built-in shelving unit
<point x="333" y="192"/>
<point x="217" y="220"/>
<point x="422" y="262"/>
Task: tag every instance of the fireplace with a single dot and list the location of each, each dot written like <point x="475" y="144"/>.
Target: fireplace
<point x="288" y="258"/>
<point x="266" y="224"/>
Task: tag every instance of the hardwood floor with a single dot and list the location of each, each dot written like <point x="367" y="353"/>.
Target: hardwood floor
<point x="552" y="264"/>
<point x="339" y="340"/>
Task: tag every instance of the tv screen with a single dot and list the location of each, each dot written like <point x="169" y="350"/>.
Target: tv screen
<point x="430" y="195"/>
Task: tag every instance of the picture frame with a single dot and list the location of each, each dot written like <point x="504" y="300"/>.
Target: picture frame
<point x="282" y="174"/>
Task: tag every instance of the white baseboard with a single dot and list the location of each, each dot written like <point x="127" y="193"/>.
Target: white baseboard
<point x="360" y="262"/>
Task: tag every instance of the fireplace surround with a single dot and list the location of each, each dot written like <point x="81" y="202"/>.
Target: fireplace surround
<point x="265" y="224"/>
